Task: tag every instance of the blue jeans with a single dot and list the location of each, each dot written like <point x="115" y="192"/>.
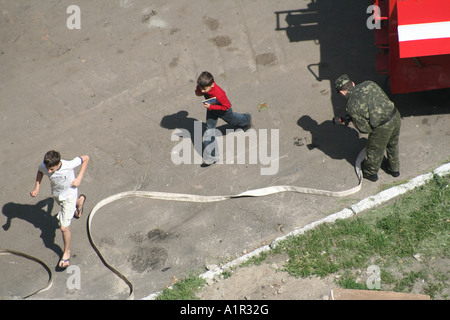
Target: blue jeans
<point x="211" y="153"/>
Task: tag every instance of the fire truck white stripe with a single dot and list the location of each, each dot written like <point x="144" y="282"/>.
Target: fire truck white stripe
<point x="424" y="31"/>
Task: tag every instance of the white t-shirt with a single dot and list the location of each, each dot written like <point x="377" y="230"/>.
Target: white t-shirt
<point x="61" y="179"/>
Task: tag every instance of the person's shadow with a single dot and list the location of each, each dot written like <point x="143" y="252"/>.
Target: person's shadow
<point x="38" y="217"/>
<point x="194" y="127"/>
<point x="180" y="120"/>
<point x="335" y="140"/>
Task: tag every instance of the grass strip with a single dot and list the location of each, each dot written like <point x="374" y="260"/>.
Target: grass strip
<point x="392" y="237"/>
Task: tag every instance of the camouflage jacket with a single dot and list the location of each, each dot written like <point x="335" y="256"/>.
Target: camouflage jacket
<point x="368" y="106"/>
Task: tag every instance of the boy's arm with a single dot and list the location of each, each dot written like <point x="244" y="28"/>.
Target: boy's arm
<point x="223" y="103"/>
<point x="35" y="192"/>
<point x="77" y="181"/>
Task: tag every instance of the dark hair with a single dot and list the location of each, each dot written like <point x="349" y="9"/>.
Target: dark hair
<point x="346" y="86"/>
<point x="205" y="79"/>
<point x="52" y="158"/>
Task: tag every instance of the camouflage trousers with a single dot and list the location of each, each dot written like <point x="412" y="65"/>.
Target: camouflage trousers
<point x="381" y="139"/>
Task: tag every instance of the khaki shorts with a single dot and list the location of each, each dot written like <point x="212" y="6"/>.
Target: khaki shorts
<point x="67" y="211"/>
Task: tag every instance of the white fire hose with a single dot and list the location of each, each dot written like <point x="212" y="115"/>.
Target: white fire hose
<point x="198" y="198"/>
<point x="186" y="198"/>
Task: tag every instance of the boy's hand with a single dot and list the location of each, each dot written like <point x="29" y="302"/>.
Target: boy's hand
<point x="206" y="105"/>
<point x="34" y="193"/>
<point x="76" y="183"/>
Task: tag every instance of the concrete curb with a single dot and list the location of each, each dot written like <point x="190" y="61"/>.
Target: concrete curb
<point x="363" y="205"/>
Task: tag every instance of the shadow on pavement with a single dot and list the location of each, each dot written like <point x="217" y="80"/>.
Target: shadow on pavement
<point x="39" y="215"/>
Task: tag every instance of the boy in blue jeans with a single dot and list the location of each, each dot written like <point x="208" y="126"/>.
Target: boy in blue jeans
<point x="64" y="186"/>
<point x="207" y="87"/>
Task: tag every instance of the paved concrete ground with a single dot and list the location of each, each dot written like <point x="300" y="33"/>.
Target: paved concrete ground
<point x="119" y="87"/>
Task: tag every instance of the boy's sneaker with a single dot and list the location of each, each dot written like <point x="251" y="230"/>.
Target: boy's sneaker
<point x="250" y="125"/>
<point x="207" y="164"/>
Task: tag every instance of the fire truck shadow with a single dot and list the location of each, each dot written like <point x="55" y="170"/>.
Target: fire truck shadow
<point x="346" y="43"/>
<point x="423" y="103"/>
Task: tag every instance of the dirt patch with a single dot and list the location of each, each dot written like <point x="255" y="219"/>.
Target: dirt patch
<point x="267" y="282"/>
<point x="222" y="41"/>
<point x="146" y="259"/>
<point x="212" y="24"/>
<point x="266" y="59"/>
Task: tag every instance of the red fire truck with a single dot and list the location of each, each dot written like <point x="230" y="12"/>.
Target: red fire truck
<point x="414" y="38"/>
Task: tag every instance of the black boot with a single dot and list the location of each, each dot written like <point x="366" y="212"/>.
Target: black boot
<point x="385" y="168"/>
<point x="372" y="177"/>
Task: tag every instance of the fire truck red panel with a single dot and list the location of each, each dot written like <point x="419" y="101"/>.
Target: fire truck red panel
<point x="423" y="27"/>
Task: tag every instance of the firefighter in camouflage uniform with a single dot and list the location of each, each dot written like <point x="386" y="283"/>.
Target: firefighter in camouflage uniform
<point x="372" y="112"/>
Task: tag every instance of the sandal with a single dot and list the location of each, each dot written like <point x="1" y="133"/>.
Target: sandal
<point x="62" y="262"/>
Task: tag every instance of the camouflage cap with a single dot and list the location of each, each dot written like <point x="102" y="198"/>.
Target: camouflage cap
<point x="341" y="81"/>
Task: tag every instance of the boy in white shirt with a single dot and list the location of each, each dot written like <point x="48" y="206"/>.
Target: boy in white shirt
<point x="64" y="187"/>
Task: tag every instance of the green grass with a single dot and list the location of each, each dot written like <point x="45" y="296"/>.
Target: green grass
<point x="183" y="290"/>
<point x="417" y="223"/>
<point x="389" y="237"/>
